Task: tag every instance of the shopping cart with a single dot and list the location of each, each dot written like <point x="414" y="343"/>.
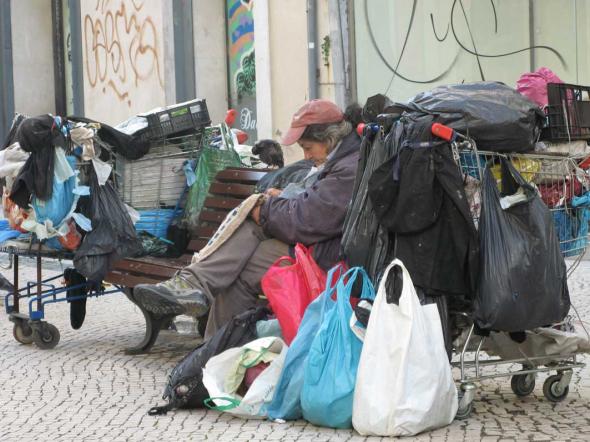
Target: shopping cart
<point x="558" y="180"/>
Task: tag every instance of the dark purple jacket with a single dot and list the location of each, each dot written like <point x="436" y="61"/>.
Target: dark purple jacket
<point x="316" y="216"/>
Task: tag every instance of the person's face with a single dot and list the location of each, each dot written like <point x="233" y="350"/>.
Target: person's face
<point x="316" y="151"/>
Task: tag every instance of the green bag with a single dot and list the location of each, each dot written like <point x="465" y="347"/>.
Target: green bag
<point x="211" y="161"/>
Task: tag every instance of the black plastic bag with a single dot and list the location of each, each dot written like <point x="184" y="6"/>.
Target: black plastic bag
<point x="39" y="136"/>
<point x="178" y="233"/>
<point x="132" y="147"/>
<point x="278" y="179"/>
<point x="495" y="115"/>
<point x="185" y="387"/>
<point x="365" y="242"/>
<point x="112" y="237"/>
<point x="523" y="277"/>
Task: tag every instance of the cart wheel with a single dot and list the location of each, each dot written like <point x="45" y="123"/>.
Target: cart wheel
<point x="523" y="384"/>
<point x="466" y="394"/>
<point x="46" y="336"/>
<point x="553" y="391"/>
<point x="463" y="412"/>
<point x="22" y="332"/>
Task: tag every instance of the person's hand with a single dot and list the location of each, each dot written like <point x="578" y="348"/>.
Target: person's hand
<point x="255" y="214"/>
<point x="273" y="192"/>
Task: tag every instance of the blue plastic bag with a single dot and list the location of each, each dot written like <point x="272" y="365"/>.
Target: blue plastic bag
<point x="286" y="403"/>
<point x="62" y="200"/>
<point x="332" y="363"/>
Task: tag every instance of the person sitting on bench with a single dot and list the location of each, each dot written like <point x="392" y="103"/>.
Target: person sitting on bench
<point x="227" y="282"/>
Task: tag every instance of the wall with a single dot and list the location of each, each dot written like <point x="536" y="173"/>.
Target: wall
<point x="32" y="57"/>
<point x="288" y="58"/>
<point x="126" y="61"/>
<point x="325" y="65"/>
<point x="210" y="56"/>
<point x="440" y="38"/>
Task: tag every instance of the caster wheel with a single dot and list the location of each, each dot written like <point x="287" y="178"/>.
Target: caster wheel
<point x="46" y="336"/>
<point x="523" y="384"/>
<point x="466" y="396"/>
<point x="463" y="412"/>
<point x="553" y="391"/>
<point x="23" y="333"/>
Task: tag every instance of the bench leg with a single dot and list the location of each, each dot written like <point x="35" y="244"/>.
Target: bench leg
<point x="153" y="325"/>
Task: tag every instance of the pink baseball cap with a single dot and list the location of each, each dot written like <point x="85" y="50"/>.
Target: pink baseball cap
<point x="313" y="112"/>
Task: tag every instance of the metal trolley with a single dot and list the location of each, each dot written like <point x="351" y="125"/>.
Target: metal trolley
<point x="29" y="325"/>
<point x="558" y="180"/>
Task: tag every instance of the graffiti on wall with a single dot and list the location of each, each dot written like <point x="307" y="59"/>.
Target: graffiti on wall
<point x="241" y="61"/>
<point x="446" y="28"/>
<point x="122" y="49"/>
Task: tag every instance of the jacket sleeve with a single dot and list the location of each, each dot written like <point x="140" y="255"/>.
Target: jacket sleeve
<point x="315" y="215"/>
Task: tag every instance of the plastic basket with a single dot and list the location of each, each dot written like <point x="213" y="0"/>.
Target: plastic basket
<point x="156" y="221"/>
<point x="181" y="118"/>
<point x="568" y="112"/>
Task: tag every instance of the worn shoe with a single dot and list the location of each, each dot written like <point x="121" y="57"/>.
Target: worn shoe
<point x="176" y="296"/>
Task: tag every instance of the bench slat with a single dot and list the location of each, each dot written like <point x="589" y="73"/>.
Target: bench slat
<point x="145" y="268"/>
<point x="205" y="232"/>
<point x="222" y="203"/>
<point x="128" y="280"/>
<point x="212" y="216"/>
<point x="240" y="175"/>
<point x="232" y="189"/>
<point x="196" y="244"/>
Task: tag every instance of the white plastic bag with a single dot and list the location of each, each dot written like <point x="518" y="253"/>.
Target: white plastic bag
<point x="222" y="375"/>
<point x="404" y="384"/>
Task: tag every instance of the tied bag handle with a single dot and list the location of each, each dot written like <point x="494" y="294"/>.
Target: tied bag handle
<point x="331" y="285"/>
<point x="513" y="174"/>
<point x="287" y="258"/>
<point x="404" y="301"/>
<point x="344" y="289"/>
<point x="312" y="274"/>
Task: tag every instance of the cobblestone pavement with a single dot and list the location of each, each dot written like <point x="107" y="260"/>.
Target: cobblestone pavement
<point x="88" y="389"/>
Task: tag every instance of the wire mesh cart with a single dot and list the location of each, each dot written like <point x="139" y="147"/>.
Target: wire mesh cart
<point x="559" y="181"/>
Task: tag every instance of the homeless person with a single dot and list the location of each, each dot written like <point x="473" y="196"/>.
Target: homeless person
<point x="227" y="282"/>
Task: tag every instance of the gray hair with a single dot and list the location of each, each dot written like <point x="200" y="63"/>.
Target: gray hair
<point x="331" y="133"/>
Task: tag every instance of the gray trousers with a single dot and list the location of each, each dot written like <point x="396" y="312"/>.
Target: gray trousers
<point x="231" y="275"/>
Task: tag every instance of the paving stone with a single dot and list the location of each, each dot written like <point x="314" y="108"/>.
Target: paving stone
<point x="88" y="389"/>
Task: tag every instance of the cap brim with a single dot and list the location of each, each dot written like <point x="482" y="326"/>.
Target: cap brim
<point x="292" y="135"/>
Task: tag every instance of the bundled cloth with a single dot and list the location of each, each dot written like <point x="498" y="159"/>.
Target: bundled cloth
<point x="39" y="136"/>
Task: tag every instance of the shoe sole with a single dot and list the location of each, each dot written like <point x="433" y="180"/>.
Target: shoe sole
<point x="157" y="303"/>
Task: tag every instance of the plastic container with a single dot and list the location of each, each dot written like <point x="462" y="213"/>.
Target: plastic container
<point x="181" y="118"/>
<point x="568" y="112"/>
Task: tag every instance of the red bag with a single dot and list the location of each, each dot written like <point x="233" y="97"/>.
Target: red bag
<point x="290" y="289"/>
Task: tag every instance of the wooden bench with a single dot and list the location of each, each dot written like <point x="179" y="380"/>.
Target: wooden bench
<point x="229" y="188"/>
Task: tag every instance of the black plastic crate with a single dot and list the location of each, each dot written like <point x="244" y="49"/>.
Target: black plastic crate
<point x="181" y="119"/>
<point x="568" y="112"/>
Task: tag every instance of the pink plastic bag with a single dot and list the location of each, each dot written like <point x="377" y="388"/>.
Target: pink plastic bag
<point x="291" y="288"/>
<point x="533" y="85"/>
